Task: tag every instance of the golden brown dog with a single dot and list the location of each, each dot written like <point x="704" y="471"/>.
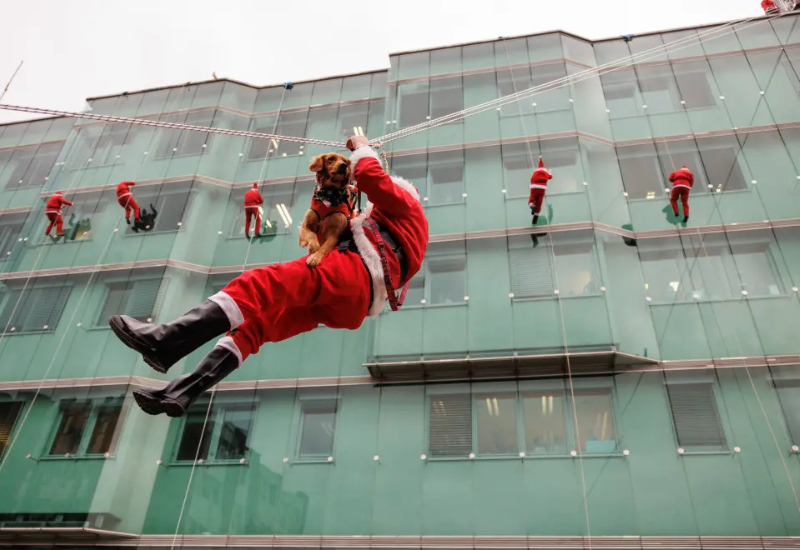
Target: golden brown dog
<point x="323" y="223"/>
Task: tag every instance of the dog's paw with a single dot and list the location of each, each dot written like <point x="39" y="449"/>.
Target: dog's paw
<point x="313" y="246"/>
<point x="314" y="260"/>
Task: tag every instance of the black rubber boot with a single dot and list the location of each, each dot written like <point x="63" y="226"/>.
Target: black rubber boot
<point x="535" y="219"/>
<point x="164" y="345"/>
<point x="685" y="219"/>
<point x="179" y="394"/>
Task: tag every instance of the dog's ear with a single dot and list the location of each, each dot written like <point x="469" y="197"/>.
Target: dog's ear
<point x="317" y="163"/>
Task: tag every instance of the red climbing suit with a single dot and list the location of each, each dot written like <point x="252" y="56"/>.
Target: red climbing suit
<point x="252" y="201"/>
<point x="53" y="212"/>
<point x="276" y="302"/>
<point x="539" y="181"/>
<point x="126" y="200"/>
<point x="682" y="182"/>
<point x="769" y="7"/>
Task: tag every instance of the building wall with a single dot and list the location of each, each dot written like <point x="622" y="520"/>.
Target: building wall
<point x="689" y="434"/>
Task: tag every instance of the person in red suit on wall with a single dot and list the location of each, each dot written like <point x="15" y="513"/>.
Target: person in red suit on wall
<point x="252" y="202"/>
<point x="53" y="213"/>
<point x="769" y="7"/>
<point x="539" y="181"/>
<point x="126" y="200"/>
<point x="682" y="182"/>
<point x="381" y="252"/>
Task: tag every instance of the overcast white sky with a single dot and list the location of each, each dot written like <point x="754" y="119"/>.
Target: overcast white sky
<point x="74" y="49"/>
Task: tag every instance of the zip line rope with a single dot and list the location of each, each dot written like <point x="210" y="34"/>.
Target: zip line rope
<point x="70" y="323"/>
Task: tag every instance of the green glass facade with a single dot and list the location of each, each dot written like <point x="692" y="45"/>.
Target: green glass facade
<point x="610" y="377"/>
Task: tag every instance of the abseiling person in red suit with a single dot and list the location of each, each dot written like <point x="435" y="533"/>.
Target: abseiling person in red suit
<point x="682" y="182"/>
<point x="769" y="7"/>
<point x="126" y="200"/>
<point x="539" y="181"/>
<point x="276" y="302"/>
<point x="53" y="213"/>
<point x="252" y="201"/>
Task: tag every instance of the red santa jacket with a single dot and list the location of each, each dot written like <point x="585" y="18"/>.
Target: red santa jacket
<point x="768" y="6"/>
<point x="253" y="199"/>
<point x="682" y="178"/>
<point x="123" y="189"/>
<point x="540" y="178"/>
<point x="55" y="203"/>
<point x="394" y="205"/>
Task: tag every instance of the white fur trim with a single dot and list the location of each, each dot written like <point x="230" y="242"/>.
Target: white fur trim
<point x="227" y="343"/>
<point x="680" y="185"/>
<point x="538" y="186"/>
<point x="230" y="308"/>
<point x="372" y="260"/>
<point x="407" y="185"/>
<point x="362" y="153"/>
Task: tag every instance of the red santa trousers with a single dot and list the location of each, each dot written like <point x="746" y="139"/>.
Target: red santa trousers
<point x="681" y="193"/>
<point x="536" y="199"/>
<point x="129" y="203"/>
<point x="57" y="220"/>
<point x="283" y="300"/>
<point x="250" y="213"/>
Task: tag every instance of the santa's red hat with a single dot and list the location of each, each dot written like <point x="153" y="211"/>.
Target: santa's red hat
<point x="541" y="162"/>
<point x="255" y="185"/>
<point x="685" y="167"/>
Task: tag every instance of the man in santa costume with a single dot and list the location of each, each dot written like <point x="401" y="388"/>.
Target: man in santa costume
<point x="769" y="7"/>
<point x="53" y="213"/>
<point x="381" y="253"/>
<point x="252" y="209"/>
<point x="126" y="200"/>
<point x="682" y="182"/>
<point x="539" y="181"/>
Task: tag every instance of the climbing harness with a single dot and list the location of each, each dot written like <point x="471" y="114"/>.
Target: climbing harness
<point x="395" y="301"/>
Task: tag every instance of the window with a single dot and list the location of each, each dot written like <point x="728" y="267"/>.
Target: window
<point x="414" y="168"/>
<point x="658" y="88"/>
<point x="221" y="433"/>
<point x="78" y="225"/>
<point x="694" y="84"/>
<point x="595" y="422"/>
<point x="561" y="156"/>
<point x="317" y="429"/>
<point x="532" y="271"/>
<point x="10" y="229"/>
<point x="720" y="159"/>
<point x="353" y="120"/>
<point x="185" y="142"/>
<point x="695" y="417"/>
<point x="279" y="199"/>
<point x="446" y="174"/>
<point x="9" y="412"/>
<point x="508" y="422"/>
<point x="86" y="427"/>
<point x="642" y="174"/>
<point x="447" y="96"/>
<point x="292" y="124"/>
<point x="621" y="90"/>
<point x="35" y="310"/>
<point x="716" y="267"/>
<point x="138" y="299"/>
<point x="450" y="428"/>
<point x="517" y="80"/>
<point x="414" y="104"/>
<point x="545" y="422"/>
<point x="170" y="202"/>
<point x="31" y="165"/>
<point x="442" y="279"/>
<point x="103" y="143"/>
<point x="497" y="424"/>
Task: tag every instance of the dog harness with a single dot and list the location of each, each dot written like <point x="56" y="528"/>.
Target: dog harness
<point x="328" y="201"/>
